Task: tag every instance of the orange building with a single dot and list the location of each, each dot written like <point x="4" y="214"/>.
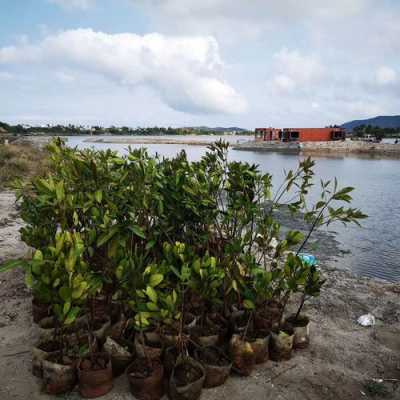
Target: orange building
<point x="300" y="134"/>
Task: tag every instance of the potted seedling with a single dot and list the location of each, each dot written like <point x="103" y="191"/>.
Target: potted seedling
<point x="188" y="375"/>
<point x="298" y="321"/>
<point x="206" y="281"/>
<point x="68" y="280"/>
<point x="145" y="374"/>
<point x="241" y="350"/>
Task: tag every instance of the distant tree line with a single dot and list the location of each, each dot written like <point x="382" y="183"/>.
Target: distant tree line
<point x="77" y="130"/>
<point x="378" y="132"/>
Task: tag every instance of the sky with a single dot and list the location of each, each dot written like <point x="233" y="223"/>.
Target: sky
<point x="247" y="63"/>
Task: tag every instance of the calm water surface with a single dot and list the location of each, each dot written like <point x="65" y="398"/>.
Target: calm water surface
<point x="374" y="249"/>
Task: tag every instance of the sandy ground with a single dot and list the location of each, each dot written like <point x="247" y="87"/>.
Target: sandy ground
<point x="341" y="358"/>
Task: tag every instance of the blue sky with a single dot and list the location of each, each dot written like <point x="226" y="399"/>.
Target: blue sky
<point x="189" y="62"/>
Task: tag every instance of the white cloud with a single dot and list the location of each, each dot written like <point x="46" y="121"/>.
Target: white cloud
<point x="70" y="4"/>
<point x="229" y="19"/>
<point x="186" y="72"/>
<point x="386" y="76"/>
<point x="295" y="71"/>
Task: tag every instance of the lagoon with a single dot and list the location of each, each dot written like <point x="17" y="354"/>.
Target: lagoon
<point x="374" y="249"/>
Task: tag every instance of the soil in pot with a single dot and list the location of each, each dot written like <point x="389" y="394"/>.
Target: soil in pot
<point x="187" y="379"/>
<point x="206" y="335"/>
<point x="146" y="379"/>
<point x="152" y="351"/>
<point x="121" y="355"/>
<point x="39" y="310"/>
<point x="301" y="328"/>
<point x="43" y="351"/>
<point x="268" y="318"/>
<point x="59" y="374"/>
<point x="216" y="364"/>
<point x="95" y="376"/>
<point x="281" y="344"/>
<point x="259" y="342"/>
<point x="242" y="354"/>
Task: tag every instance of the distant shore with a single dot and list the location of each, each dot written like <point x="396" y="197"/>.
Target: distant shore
<point x="144" y="140"/>
<point x="322" y="148"/>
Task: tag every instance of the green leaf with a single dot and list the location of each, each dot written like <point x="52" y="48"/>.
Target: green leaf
<point x="150" y="244"/>
<point x="71" y="317"/>
<point x="248" y="304"/>
<point x="12" y="264"/>
<point x="105" y="237"/>
<point x="60" y="191"/>
<point x="137" y="230"/>
<point x="65" y="293"/>
<point x="67" y="307"/>
<point x="29" y="279"/>
<point x="155" y="280"/>
<point x="152" y="306"/>
<point x="98" y="196"/>
<point x="75" y="218"/>
<point x="151" y="293"/>
<point x="38" y="256"/>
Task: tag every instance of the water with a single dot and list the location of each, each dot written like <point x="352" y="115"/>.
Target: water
<point x="374" y="249"/>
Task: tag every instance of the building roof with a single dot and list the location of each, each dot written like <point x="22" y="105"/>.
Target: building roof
<point x="2" y="130"/>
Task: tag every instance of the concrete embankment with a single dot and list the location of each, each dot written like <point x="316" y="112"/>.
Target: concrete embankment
<point x="339" y="147"/>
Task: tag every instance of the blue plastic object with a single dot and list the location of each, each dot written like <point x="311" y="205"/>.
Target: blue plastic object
<point x="308" y="259"/>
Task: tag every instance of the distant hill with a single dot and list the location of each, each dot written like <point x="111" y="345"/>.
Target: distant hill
<point x="390" y="121"/>
<point x="217" y="129"/>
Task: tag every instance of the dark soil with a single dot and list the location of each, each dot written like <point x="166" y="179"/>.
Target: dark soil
<point x="49" y="347"/>
<point x="141" y="368"/>
<point x="300" y="321"/>
<point x="212" y="356"/>
<point x="186" y="373"/>
<point x="94" y="363"/>
<point x="206" y="330"/>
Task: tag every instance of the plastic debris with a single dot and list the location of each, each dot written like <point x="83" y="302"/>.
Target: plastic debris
<point x="366" y="320"/>
<point x="308" y="259"/>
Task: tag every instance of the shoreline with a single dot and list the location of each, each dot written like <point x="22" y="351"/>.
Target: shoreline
<point x="342" y="355"/>
<point x="341" y="148"/>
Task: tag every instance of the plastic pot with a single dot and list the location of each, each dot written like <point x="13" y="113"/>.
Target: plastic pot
<point x="47" y="330"/>
<point x="102" y="327"/>
<point x="58" y="378"/>
<point x="281" y="344"/>
<point x="152" y="336"/>
<point x="259" y="342"/>
<point x="187" y="379"/>
<point x="39" y="310"/>
<point x="95" y="380"/>
<point x="146" y="382"/>
<point x="120" y="355"/>
<point x="205" y="340"/>
<point x="43" y="351"/>
<point x="169" y="360"/>
<point x="242" y="354"/>
<point x="240" y="321"/>
<point x="216" y="363"/>
<point x="301" y="328"/>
